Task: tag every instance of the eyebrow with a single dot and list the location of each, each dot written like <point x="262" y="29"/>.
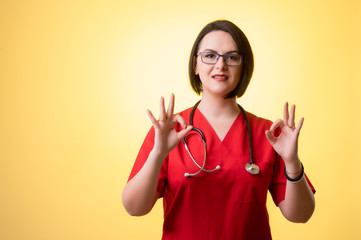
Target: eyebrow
<point x="211" y="50"/>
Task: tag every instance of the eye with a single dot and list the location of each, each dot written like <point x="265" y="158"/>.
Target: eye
<point x="233" y="57"/>
<point x="209" y="55"/>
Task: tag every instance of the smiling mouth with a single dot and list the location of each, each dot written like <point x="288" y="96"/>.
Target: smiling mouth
<point x="220" y="77"/>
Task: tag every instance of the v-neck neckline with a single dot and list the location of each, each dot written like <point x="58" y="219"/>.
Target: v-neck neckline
<point x="229" y="131"/>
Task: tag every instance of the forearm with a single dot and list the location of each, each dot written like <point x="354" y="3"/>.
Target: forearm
<point x="140" y="193"/>
<point x="299" y="202"/>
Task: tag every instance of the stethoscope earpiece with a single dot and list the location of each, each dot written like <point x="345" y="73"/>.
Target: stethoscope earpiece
<point x="201" y="168"/>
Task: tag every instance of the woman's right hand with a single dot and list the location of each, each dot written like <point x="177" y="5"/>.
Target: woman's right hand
<point x="166" y="137"/>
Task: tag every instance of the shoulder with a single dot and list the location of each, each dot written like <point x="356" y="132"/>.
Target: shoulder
<point x="259" y="124"/>
<point x="185" y="113"/>
<point x="258" y="121"/>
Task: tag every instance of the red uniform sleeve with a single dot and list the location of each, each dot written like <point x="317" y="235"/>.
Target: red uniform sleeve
<point x="279" y="181"/>
<point x="143" y="154"/>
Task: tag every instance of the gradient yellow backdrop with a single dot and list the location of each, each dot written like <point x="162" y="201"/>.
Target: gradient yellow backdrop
<point x="76" y="78"/>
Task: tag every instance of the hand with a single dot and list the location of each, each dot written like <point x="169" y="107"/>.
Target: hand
<point x="286" y="144"/>
<point x="166" y="137"/>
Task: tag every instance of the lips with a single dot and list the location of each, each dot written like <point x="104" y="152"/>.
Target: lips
<point x="220" y="77"/>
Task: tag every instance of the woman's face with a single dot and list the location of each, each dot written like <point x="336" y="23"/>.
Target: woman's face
<point x="218" y="79"/>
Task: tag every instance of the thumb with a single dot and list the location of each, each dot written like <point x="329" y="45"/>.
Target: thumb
<point x="271" y="139"/>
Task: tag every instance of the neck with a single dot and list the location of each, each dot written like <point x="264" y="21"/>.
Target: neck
<point x="218" y="107"/>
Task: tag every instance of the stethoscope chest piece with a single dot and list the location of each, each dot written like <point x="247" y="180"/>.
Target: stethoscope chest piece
<point x="252" y="168"/>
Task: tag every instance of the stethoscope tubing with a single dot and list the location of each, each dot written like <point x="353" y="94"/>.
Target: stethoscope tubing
<point x="249" y="133"/>
<point x="251" y="167"/>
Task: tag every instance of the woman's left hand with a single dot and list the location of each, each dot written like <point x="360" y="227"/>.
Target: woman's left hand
<point x="286" y="144"/>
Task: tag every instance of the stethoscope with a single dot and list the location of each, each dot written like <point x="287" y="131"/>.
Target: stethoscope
<point x="251" y="167"/>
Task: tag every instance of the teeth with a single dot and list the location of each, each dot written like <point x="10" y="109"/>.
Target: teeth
<point x="220" y="77"/>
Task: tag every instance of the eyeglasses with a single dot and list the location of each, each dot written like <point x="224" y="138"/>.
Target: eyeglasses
<point x="231" y="59"/>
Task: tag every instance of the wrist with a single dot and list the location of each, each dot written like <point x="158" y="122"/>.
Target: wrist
<point x="293" y="167"/>
<point x="294" y="176"/>
<point x="158" y="156"/>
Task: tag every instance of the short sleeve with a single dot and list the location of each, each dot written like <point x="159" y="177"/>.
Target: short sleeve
<point x="279" y="181"/>
<point x="142" y="156"/>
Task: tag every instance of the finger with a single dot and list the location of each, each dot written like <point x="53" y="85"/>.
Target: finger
<point x="182" y="134"/>
<point x="299" y="126"/>
<point x="180" y="120"/>
<point x="285" y="112"/>
<point x="170" y="106"/>
<point x="291" y="120"/>
<point x="162" y="114"/>
<point x="272" y="139"/>
<point x="277" y="124"/>
<point x="152" y="118"/>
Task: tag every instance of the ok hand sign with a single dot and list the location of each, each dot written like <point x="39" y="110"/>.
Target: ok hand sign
<point x="286" y="144"/>
<point x="166" y="137"/>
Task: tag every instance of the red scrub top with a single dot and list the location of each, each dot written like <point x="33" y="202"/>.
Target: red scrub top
<point x="229" y="203"/>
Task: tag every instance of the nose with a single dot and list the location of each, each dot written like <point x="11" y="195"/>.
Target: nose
<point x="221" y="63"/>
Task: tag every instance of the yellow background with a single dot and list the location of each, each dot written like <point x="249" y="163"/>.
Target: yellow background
<point x="76" y="78"/>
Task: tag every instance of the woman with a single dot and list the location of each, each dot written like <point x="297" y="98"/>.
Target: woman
<point x="218" y="189"/>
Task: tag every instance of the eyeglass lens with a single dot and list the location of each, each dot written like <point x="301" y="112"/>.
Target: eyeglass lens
<point x="212" y="58"/>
